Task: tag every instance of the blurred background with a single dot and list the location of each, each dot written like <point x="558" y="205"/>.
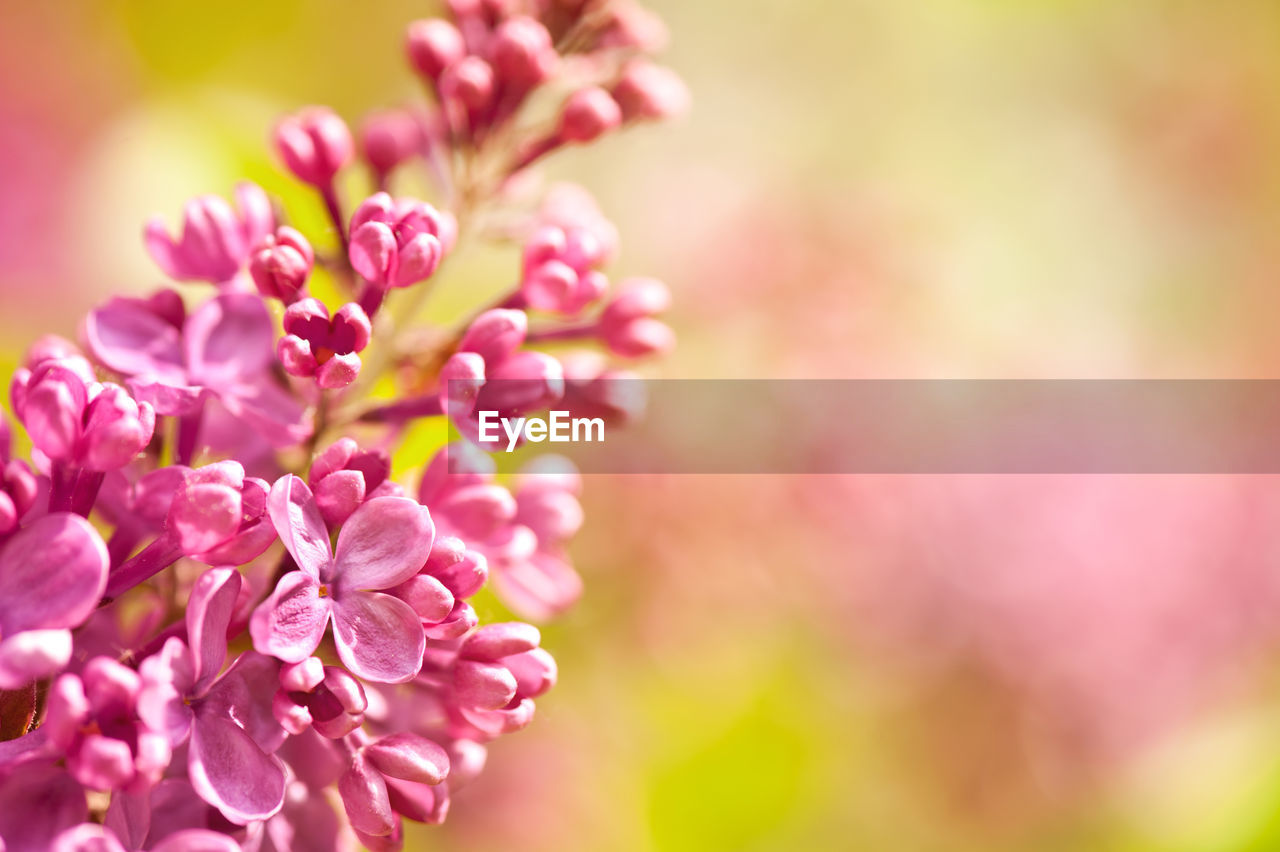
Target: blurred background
<point x="864" y="188"/>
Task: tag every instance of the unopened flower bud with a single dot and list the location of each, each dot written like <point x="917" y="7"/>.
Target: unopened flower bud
<point x="432" y="46"/>
<point x="315" y="144"/>
<point x="589" y="114"/>
<point x="627" y="324"/>
<point x="649" y="91"/>
<point x="281" y="264"/>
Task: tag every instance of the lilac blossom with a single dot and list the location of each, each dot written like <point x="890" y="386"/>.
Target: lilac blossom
<point x="222" y="351"/>
<point x="215" y="240"/>
<point x="325" y="348"/>
<point x="378" y="636"/>
<point x="52" y="574"/>
<point x="397" y="242"/>
<point x="136" y="716"/>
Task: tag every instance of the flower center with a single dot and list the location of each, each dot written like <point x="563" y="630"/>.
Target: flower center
<point x="324" y="591"/>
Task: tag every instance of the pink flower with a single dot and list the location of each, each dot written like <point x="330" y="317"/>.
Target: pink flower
<point x="226" y="719"/>
<point x="649" y="92"/>
<point x="387" y="777"/>
<point x="432" y="46"/>
<point x="378" y="636"/>
<point x="214" y="514"/>
<point x="395" y="243"/>
<point x="315" y="144"/>
<point x="92" y="717"/>
<point x="281" y="263"/>
<point x="52" y="573"/>
<point x="88" y="425"/>
<point x="522" y="54"/>
<point x="216" y="240"/>
<point x="223" y="350"/>
<point x="316" y="346"/>
<point x="628" y="325"/>
<point x="587" y="115"/>
<point x="559" y="269"/>
<point x="390" y="138"/>
<point x="490" y="372"/>
<point x="325" y="698"/>
<point x="343" y="476"/>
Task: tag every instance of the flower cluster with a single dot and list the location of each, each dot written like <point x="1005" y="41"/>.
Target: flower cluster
<point x="225" y="621"/>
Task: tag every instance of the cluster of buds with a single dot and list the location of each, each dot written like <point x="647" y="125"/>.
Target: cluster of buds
<point x="225" y="623"/>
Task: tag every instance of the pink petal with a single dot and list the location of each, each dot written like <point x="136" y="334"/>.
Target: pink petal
<point x="242" y="693"/>
<point x="535" y="672"/>
<point x="495" y="641"/>
<point x="36" y="805"/>
<point x="270" y="411"/>
<point x="383" y="543"/>
<point x="171" y="399"/>
<point x="167" y="679"/>
<point x="256" y="216"/>
<point x="461" y="379"/>
<point x="209" y="610"/>
<point x="229" y="339"/>
<point x="427" y="596"/>
<point x="538" y="588"/>
<point x="410" y="757"/>
<point x="298" y="522"/>
<point x="339" y="494"/>
<point x="364" y="795"/>
<point x="196" y="840"/>
<point x="379" y="637"/>
<point x="160" y="246"/>
<point x="32" y="655"/>
<point x="495" y="334"/>
<point x="487" y="686"/>
<point x="289" y="624"/>
<point x="132" y="340"/>
<point x="87" y="838"/>
<point x="52" y="573"/>
<point x="373" y="252"/>
<point x="339" y="371"/>
<point x="418" y="259"/>
<point x="231" y="773"/>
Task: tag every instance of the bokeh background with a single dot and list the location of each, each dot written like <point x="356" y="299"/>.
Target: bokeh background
<point x="865" y="188"/>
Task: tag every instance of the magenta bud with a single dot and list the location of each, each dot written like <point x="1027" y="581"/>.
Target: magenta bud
<point x="495" y="334"/>
<point x="364" y="797"/>
<point x="627" y="324"/>
<point x="461" y="621"/>
<point x="469" y="83"/>
<point x="534" y="670"/>
<point x="293" y="717"/>
<point x="409" y="757"/>
<point x="396" y="243"/>
<point x="316" y="345"/>
<point x="484" y="685"/>
<point x="302" y="677"/>
<point x="429" y="598"/>
<point x="390" y="138"/>
<point x="588" y="114"/>
<point x="116" y="429"/>
<point x="648" y="91"/>
<point x="216" y="240"/>
<point x="432" y="46"/>
<point x="495" y="641"/>
<point x="467" y="576"/>
<point x="522" y="53"/>
<point x="315" y="144"/>
<point x="281" y="264"/>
